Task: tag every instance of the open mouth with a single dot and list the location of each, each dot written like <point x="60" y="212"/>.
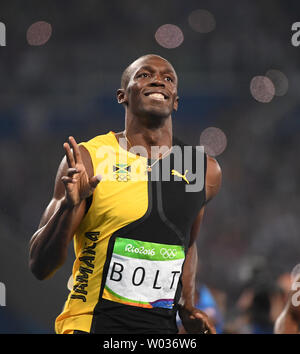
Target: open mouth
<point x="156" y="96"/>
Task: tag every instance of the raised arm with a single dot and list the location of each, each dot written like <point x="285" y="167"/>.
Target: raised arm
<point x="73" y="184"/>
<point x="193" y="319"/>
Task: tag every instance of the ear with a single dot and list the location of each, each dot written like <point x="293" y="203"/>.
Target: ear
<point x="121" y="97"/>
<point x="175" y="105"/>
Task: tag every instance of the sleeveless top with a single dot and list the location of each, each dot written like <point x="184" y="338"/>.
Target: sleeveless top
<point x="130" y="246"/>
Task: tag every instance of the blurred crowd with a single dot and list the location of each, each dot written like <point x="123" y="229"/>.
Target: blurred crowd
<point x="249" y="241"/>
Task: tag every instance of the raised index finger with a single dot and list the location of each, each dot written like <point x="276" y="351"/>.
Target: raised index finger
<point x="69" y="155"/>
<point x="76" y="151"/>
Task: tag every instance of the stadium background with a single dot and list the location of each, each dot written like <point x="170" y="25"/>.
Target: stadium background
<point x="67" y="86"/>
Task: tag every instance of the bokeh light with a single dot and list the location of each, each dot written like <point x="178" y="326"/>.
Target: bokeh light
<point x="213" y="140"/>
<point x="202" y="21"/>
<point x="262" y="89"/>
<point x="39" y="33"/>
<point x="280" y="81"/>
<point x="169" y="36"/>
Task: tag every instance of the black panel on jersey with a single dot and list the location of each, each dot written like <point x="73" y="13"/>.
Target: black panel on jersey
<point x="169" y="217"/>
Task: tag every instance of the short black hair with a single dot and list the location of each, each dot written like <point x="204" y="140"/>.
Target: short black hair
<point x="127" y="72"/>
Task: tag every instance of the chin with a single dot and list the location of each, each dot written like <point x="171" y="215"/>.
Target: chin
<point x="155" y="113"/>
<point x="154" y="120"/>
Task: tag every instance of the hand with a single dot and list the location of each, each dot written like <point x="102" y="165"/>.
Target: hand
<point x="196" y="321"/>
<point x="77" y="183"/>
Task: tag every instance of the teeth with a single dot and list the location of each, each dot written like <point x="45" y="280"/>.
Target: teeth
<point x="157" y="96"/>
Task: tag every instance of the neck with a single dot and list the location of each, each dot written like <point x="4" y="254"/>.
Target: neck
<point x="139" y="133"/>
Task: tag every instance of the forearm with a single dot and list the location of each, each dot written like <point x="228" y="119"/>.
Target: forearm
<point x="194" y="320"/>
<point x="48" y="246"/>
<point x="189" y="278"/>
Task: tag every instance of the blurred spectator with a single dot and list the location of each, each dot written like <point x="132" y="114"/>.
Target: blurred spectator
<point x="258" y="306"/>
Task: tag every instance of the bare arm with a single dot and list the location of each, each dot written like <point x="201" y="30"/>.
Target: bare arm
<point x="73" y="184"/>
<point x="288" y="322"/>
<point x="194" y="320"/>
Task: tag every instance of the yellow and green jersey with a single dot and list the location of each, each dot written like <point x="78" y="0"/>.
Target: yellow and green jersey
<point x="130" y="246"/>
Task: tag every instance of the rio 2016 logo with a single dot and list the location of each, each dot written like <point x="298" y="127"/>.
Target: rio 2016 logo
<point x="141" y="250"/>
<point x="2" y="294"/>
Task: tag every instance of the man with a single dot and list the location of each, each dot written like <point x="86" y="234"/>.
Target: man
<point x="135" y="236"/>
<point x="288" y="322"/>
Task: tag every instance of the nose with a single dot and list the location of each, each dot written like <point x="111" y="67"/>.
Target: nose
<point x="157" y="81"/>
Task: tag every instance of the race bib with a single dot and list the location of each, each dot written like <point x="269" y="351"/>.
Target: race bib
<point x="143" y="274"/>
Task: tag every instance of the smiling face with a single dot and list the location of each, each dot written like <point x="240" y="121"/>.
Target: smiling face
<point x="150" y="88"/>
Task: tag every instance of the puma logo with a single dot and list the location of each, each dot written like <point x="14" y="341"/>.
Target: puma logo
<point x="176" y="173"/>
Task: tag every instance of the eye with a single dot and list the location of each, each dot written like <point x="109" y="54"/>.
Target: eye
<point x="168" y="78"/>
<point x="144" y="75"/>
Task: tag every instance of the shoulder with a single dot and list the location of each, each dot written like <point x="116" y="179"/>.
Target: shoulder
<point x="213" y="177"/>
<point x="99" y="140"/>
<point x="213" y="169"/>
<point x="90" y="148"/>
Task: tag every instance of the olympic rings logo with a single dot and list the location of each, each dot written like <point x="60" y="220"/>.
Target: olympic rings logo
<point x="168" y="253"/>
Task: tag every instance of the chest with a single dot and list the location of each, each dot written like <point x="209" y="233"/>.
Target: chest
<point x="166" y="193"/>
